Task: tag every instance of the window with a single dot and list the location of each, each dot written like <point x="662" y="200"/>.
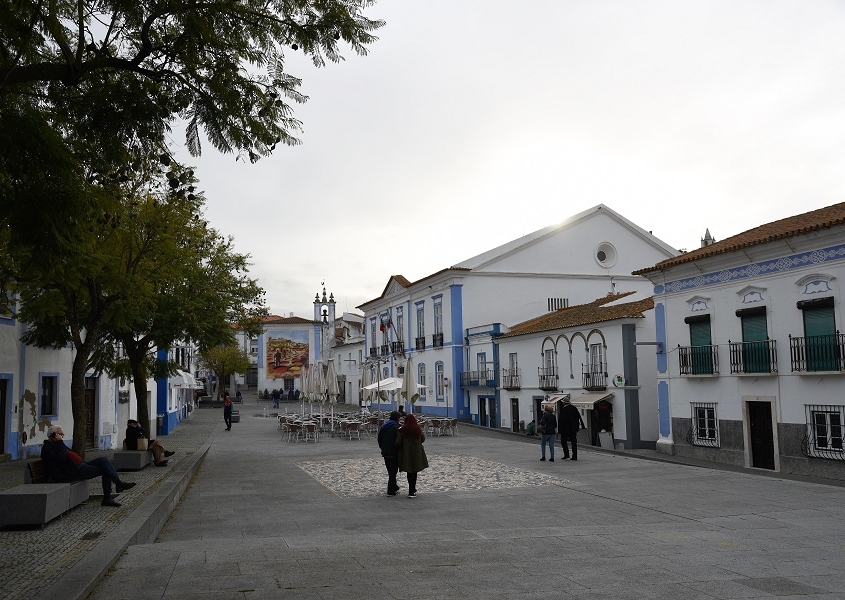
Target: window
<point x="373" y="343"/>
<point x="557" y="303"/>
<point x="820" y="336"/>
<point x="421" y="378"/>
<point x="49" y="398"/>
<point x="512" y="361"/>
<point x="481" y="360"/>
<point x="438" y="315"/>
<point x="755" y="350"/>
<point x="704" y="430"/>
<point x="440" y="390"/>
<point x="596" y="358"/>
<point x="549" y="361"/>
<point x="400" y="325"/>
<point x="420" y="320"/>
<point x="699" y="357"/>
<point x="824" y="431"/>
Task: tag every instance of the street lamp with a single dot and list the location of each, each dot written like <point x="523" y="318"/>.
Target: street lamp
<point x="446" y="393"/>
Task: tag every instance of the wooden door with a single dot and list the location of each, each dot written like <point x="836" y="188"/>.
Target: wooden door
<point x="515" y="415"/>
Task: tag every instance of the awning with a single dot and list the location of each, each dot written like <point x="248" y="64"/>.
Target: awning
<point x="184" y="380"/>
<point x="552" y="400"/>
<point x="588" y="400"/>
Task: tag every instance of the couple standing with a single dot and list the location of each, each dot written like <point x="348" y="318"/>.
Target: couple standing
<point x="569" y="423"/>
<point x="402" y="449"/>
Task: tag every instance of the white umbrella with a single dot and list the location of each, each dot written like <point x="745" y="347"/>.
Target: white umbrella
<point x="365" y="382"/>
<point x="304" y="383"/>
<point x="332" y="389"/>
<point x="386" y="385"/>
<point x="318" y="383"/>
<point x="410" y="390"/>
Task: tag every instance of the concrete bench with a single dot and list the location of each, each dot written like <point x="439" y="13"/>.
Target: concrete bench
<point x="37" y="502"/>
<point x="131" y="460"/>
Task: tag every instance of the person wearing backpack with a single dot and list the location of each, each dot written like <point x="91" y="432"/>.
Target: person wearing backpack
<point x="547" y="429"/>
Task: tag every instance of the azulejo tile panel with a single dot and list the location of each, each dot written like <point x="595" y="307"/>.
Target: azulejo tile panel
<point x="361" y="478"/>
<point x="785" y="263"/>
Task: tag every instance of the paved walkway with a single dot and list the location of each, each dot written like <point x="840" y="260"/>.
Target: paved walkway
<point x="264" y="518"/>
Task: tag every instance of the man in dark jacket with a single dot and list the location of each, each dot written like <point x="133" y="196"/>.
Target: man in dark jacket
<point x="65" y="465"/>
<point x="387" y="443"/>
<point x="227" y="412"/>
<point x="569" y="423"/>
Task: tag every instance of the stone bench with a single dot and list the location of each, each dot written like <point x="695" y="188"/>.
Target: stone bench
<point x="131" y="460"/>
<point x="37" y="502"/>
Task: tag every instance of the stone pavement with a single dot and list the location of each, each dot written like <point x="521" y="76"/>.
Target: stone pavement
<point x="267" y="518"/>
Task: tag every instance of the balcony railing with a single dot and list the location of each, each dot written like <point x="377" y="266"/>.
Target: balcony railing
<point x="548" y="378"/>
<point x="373" y="352"/>
<point x="437" y="340"/>
<point x="594" y="377"/>
<point x="510" y="379"/>
<point x="753" y="357"/>
<point x="818" y="353"/>
<point x="398" y="348"/>
<point x="385" y="350"/>
<point x="419" y="343"/>
<point x="484" y="378"/>
<point x="698" y="360"/>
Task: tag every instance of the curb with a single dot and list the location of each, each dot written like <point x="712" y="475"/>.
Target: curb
<point x="142" y="526"/>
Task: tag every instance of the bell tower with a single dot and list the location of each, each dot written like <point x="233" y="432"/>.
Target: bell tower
<point x="324" y="313"/>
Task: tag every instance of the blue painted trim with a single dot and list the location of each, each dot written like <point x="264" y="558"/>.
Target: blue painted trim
<point x="456" y="308"/>
<point x="663" y="410"/>
<point x="7" y="321"/>
<point x="757" y="269"/>
<point x="161" y="387"/>
<point x="660" y="335"/>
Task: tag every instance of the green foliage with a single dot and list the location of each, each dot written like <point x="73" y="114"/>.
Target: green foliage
<point x="130" y="67"/>
<point x="224" y="360"/>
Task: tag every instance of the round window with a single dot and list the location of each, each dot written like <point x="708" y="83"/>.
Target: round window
<point x="606" y="255"/>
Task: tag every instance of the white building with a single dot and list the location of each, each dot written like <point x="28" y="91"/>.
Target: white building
<point x="751" y="371"/>
<point x="446" y="322"/>
<point x="348" y="356"/>
<point x="589" y="354"/>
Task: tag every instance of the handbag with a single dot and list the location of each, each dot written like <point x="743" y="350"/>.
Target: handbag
<point x="142" y="443"/>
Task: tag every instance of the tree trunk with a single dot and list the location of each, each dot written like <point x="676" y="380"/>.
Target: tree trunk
<point x="77" y="398"/>
<point x="139" y="381"/>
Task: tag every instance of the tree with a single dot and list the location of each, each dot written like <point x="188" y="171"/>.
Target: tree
<point x="224" y="360"/>
<point x="130" y="67"/>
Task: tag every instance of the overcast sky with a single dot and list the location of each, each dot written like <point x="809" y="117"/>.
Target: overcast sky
<point x="474" y="122"/>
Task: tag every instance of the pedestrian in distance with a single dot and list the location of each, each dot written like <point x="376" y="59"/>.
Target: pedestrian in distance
<point x="409" y="446"/>
<point x="65" y="465"/>
<point x="227" y="412"/>
<point x="401" y="412"/>
<point x="387" y="443"/>
<point x="546" y="428"/>
<point x="569" y="423"/>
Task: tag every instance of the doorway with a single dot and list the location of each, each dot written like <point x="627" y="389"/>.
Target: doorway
<point x="4" y="411"/>
<point x="761" y="435"/>
<point x="482" y="411"/>
<point x="515" y="415"/>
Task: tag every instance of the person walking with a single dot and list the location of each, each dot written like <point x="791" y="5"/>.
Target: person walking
<point x="227" y="412"/>
<point x="569" y="423"/>
<point x="387" y="442"/>
<point x="547" y="427"/>
<point x="409" y="447"/>
<point x="64" y="465"/>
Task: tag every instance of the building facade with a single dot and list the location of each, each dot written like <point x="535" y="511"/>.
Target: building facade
<point x="445" y="323"/>
<point x="752" y="364"/>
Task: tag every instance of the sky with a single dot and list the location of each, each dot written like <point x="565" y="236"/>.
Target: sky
<point x="471" y="123"/>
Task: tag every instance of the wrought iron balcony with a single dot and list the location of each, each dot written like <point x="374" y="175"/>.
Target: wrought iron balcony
<point x="548" y="378"/>
<point x="398" y="347"/>
<point x="753" y="357"/>
<point x="484" y="378"/>
<point x="373" y="352"/>
<point x="698" y="360"/>
<point x="594" y="376"/>
<point x="420" y="343"/>
<point x="817" y="353"/>
<point x="437" y="340"/>
<point x="385" y="350"/>
<point x="510" y="379"/>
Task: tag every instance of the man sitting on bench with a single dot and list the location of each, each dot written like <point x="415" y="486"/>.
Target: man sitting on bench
<point x="64" y="465"/>
<point x="134" y="432"/>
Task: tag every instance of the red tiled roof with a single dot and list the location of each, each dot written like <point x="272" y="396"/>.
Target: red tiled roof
<point x="585" y="314"/>
<point x="815" y="220"/>
<point x="288" y="321"/>
<point x="406" y="284"/>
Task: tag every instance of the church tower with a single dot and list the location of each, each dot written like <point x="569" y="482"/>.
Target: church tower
<point x="324" y="313"/>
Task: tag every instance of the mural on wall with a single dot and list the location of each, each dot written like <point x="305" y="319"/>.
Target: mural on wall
<point x="287" y="353"/>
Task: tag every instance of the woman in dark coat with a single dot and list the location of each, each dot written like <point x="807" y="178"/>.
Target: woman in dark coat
<point x="409" y="447"/>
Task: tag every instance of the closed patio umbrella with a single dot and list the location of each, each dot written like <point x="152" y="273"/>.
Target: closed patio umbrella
<point x="332" y="388"/>
<point x="410" y="390"/>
